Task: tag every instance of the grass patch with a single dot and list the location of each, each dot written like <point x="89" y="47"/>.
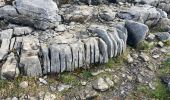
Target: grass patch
<point x="86" y="74"/>
<point x="12" y="88"/>
<point x="167" y="43"/>
<point x="165" y="67"/>
<point x="156" y="29"/>
<point x="145" y="45"/>
<point x="117" y="61"/>
<point x="160" y="93"/>
<point x="69" y="78"/>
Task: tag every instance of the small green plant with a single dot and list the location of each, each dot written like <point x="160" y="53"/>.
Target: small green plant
<point x="165" y="69"/>
<point x="160" y="92"/>
<point x="167" y="43"/>
<point x="145" y="45"/>
<point x="86" y="75"/>
<point x="68" y="78"/>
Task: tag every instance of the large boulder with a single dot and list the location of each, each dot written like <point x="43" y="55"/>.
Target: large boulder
<point x="136" y="32"/>
<point x="41" y="14"/>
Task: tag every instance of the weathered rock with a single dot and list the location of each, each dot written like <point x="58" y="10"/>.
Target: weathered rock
<point x="76" y="13"/>
<point x="23" y="84"/>
<point x="166" y="80"/>
<point x="102" y="33"/>
<point x="150" y="37"/>
<point x="143" y="13"/>
<point x="129" y="58"/>
<point x="43" y="81"/>
<point x="136" y="32"/>
<point x="29" y="60"/>
<point x="163" y="36"/>
<point x="37" y="13"/>
<point x="9" y="69"/>
<point x="107" y="14"/>
<point x="100" y="85"/>
<point x="19" y="31"/>
<point x="49" y="96"/>
<point x="62" y="87"/>
<point x="160" y="44"/>
<point x="144" y="57"/>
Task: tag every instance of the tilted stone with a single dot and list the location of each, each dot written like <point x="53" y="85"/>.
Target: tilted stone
<point x="5" y="38"/>
<point x="9" y="68"/>
<point x="91" y="50"/>
<point x="78" y="54"/>
<point x="102" y="33"/>
<point x="45" y="59"/>
<point x="103" y="51"/>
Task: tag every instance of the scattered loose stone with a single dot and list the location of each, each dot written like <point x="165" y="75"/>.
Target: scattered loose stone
<point x="129" y="59"/>
<point x="100" y="84"/>
<point x="23" y="84"/>
<point x="53" y="89"/>
<point x="49" y="96"/>
<point x="43" y="81"/>
<point x="160" y="44"/>
<point x="109" y="82"/>
<point x="14" y="98"/>
<point x="62" y="87"/>
<point x="156" y="56"/>
<point x="151" y="67"/>
<point x="91" y="94"/>
<point x="130" y="78"/>
<point x="144" y="57"/>
<point x="151" y="86"/>
<point x="151" y="37"/>
<point x="83" y="83"/>
<point x="97" y="73"/>
<point x="135" y="56"/>
<point x="163" y="50"/>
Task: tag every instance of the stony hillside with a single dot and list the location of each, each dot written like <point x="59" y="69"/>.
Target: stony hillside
<point x="84" y="49"/>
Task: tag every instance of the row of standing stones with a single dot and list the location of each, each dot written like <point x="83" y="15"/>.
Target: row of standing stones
<point x="38" y="38"/>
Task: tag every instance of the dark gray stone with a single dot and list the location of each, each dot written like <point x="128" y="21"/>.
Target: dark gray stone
<point x="136" y="32"/>
<point x="163" y="36"/>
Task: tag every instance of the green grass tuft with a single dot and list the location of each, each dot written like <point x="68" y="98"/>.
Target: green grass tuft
<point x="86" y="74"/>
<point x="160" y="93"/>
<point x="68" y="78"/>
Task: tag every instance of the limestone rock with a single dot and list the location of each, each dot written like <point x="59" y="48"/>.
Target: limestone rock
<point x="76" y="13"/>
<point x="100" y="85"/>
<point x="143" y="13"/>
<point x="163" y="36"/>
<point x="9" y="69"/>
<point x="136" y="32"/>
<point x="37" y="13"/>
<point x="23" y="84"/>
<point x="29" y="60"/>
<point x="19" y="31"/>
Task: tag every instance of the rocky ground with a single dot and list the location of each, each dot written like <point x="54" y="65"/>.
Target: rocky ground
<point x="93" y="50"/>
